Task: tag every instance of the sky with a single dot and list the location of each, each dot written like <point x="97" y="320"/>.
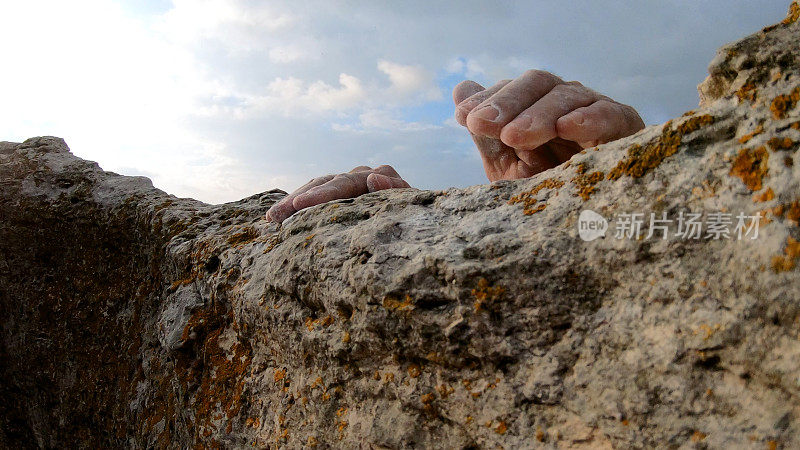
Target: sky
<point x="221" y="99"/>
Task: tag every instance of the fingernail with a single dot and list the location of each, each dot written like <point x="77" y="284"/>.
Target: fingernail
<point x="487" y="112"/>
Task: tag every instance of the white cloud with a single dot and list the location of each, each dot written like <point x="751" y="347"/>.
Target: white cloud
<point x="229" y="21"/>
<point x="286" y="54"/>
<point x="292" y="96"/>
<point x="410" y="80"/>
<point x="382" y="120"/>
<point x="298" y="98"/>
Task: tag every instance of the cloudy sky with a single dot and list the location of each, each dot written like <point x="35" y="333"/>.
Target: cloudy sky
<point x="221" y="99"/>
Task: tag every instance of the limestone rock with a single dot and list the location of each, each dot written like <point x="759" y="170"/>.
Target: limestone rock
<point x="462" y="318"/>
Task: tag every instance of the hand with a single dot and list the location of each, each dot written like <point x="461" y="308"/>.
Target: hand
<point x="358" y="181"/>
<point x="538" y="121"/>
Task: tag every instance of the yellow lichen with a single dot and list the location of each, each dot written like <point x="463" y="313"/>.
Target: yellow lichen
<point x="783" y="103"/>
<point x="707" y="330"/>
<point x="484" y="294"/>
<point x="747" y="92"/>
<point x="586" y="183"/>
<point x="777" y="143"/>
<point x="792" y="211"/>
<point x="444" y="390"/>
<point x="787" y="261"/>
<point x="793" y="15"/>
<point x="766" y="196"/>
<point x="759" y="129"/>
<point x="751" y="166"/>
<point x="528" y="198"/>
<point x="247" y="234"/>
<point x="698" y="436"/>
<point x="392" y="303"/>
<point x="641" y="159"/>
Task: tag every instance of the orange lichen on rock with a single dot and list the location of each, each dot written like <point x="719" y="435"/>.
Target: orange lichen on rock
<point x="783" y="103"/>
<point x="222" y="380"/>
<point x="390" y="302"/>
<point x="694" y="124"/>
<point x="247" y="234"/>
<point x="444" y="390"/>
<point x="484" y="294"/>
<point x="747" y="92"/>
<point x="777" y="143"/>
<point x="744" y="139"/>
<point x="792" y="211"/>
<point x="794" y="14"/>
<point x="586" y="183"/>
<point x="788" y="260"/>
<point x="501" y="428"/>
<point x="414" y="370"/>
<point x="766" y="196"/>
<point x="698" y="436"/>
<point x="178" y="283"/>
<point x="751" y="166"/>
<point x="641" y="159"/>
<point x="280" y="374"/>
<point x="528" y="198"/>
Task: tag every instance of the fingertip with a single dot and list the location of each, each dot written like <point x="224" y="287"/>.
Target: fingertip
<point x="280" y="211"/>
<point x="465" y="89"/>
<point x="303" y="200"/>
<point x="483" y="122"/>
<point x="378" y="182"/>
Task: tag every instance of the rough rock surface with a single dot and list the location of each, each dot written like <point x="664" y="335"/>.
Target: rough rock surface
<point x="452" y="319"/>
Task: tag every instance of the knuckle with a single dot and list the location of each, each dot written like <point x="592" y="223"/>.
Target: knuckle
<point x="540" y="75"/>
<point x="562" y="88"/>
<point x="531" y="73"/>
